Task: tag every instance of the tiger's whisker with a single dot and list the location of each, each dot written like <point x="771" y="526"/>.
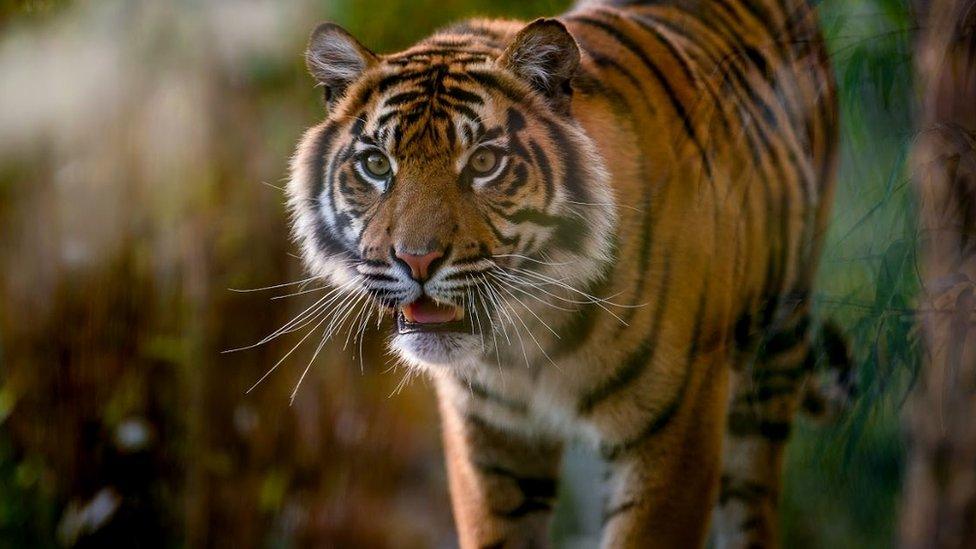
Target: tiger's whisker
<point x="504" y="310"/>
<point x="519" y="279"/>
<point x="605" y="205"/>
<point x="514" y="285"/>
<point x="274" y="287"/>
<point x="282" y="359"/>
<point x="491" y="323"/>
<point x="302" y="292"/>
<point x="495" y="305"/>
<point x="595" y="300"/>
<point x="301" y="320"/>
<point x="527" y="258"/>
<point x="294" y="393"/>
<point x="528" y="331"/>
<point x="356" y="321"/>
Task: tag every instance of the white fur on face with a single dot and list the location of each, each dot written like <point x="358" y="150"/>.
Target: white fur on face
<point x="433" y="352"/>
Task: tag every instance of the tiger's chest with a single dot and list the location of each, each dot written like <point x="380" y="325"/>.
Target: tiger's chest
<point x="594" y="395"/>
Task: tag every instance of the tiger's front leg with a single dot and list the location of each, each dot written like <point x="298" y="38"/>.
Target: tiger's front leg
<point x="503" y="485"/>
<point x="663" y="484"/>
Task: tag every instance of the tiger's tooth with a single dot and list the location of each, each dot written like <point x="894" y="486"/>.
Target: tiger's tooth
<point x="458" y="313"/>
<point x="407" y="314"/>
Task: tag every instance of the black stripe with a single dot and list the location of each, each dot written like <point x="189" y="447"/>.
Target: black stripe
<point x="502" y="239"/>
<point x="530" y="215"/>
<point x="617" y="99"/>
<point x="317" y="163"/>
<point x="325" y="239"/>
<point x="573" y="171"/>
<point x="639" y="359"/>
<point x="774" y="273"/>
<point x="570" y="233"/>
<point x="675" y="102"/>
<point x="577" y="332"/>
<point x="668" y="45"/>
<point x="663" y="417"/>
<point x="647" y="231"/>
<point x="527" y="507"/>
<point x="659" y="422"/>
<point x="642" y="22"/>
<point x="531" y="486"/>
<point x="746" y="424"/>
<point x="744" y="332"/>
<point x="519" y="181"/>
<point x="745" y="490"/>
<point x="498" y="84"/>
<point x="424" y="54"/>
<point x="647" y="222"/>
<point x="380" y="277"/>
<point x="461" y="95"/>
<point x="756" y="522"/>
<point x="764" y="390"/>
<point x="397" y="79"/>
<point x="403" y="98"/>
<point x="756" y="131"/>
<point x="785" y="340"/>
<point x="364" y="94"/>
<point x="775" y="81"/>
<point x="482" y="392"/>
<point x="545" y="169"/>
<point x="619" y="510"/>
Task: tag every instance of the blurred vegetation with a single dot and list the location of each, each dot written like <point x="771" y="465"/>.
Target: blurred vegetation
<point x="843" y="481"/>
<point x="128" y="209"/>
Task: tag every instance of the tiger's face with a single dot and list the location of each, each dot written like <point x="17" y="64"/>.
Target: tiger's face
<point x="443" y="172"/>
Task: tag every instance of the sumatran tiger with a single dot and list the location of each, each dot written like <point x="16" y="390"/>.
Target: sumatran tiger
<point x="599" y="227"/>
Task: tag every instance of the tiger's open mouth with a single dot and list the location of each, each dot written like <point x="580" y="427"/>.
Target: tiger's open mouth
<point x="427" y="316"/>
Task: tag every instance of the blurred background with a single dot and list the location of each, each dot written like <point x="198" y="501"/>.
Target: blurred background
<point x="142" y="147"/>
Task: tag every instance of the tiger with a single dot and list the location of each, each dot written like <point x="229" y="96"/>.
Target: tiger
<point x="598" y="228"/>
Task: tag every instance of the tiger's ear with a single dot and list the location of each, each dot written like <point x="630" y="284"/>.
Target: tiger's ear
<point x="336" y="59"/>
<point x="545" y="55"/>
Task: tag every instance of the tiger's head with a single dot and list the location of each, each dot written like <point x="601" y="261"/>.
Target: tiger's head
<point x="444" y="171"/>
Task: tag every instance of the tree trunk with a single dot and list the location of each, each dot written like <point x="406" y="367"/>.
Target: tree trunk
<point x="939" y="505"/>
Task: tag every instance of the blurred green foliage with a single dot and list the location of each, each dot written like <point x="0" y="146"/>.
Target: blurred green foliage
<point x="843" y="481"/>
<point x="374" y="455"/>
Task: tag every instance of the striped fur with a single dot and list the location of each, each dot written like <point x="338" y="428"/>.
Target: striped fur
<point x="637" y="270"/>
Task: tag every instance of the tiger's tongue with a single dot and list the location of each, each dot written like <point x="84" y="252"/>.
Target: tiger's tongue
<point x="427" y="311"/>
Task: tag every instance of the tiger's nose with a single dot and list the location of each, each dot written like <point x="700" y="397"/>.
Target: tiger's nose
<point x="420" y="265"/>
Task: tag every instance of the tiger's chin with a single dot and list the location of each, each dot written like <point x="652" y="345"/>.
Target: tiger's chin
<point x="436" y="351"/>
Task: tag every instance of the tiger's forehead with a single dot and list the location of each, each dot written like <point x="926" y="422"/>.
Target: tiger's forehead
<point x="445" y="52"/>
<point x="430" y="97"/>
<point x="425" y="56"/>
<point x="474" y="45"/>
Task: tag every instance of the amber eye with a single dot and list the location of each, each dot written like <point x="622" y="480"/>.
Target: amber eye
<point x="376" y="165"/>
<point x="483" y="161"/>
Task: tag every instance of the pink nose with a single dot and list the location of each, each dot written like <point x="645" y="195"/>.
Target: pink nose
<point x="420" y="264"/>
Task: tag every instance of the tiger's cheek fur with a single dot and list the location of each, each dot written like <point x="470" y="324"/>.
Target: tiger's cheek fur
<point x="310" y="206"/>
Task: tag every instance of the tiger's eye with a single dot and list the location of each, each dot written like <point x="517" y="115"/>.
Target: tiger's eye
<point x="377" y="165"/>
<point x="483" y="161"/>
